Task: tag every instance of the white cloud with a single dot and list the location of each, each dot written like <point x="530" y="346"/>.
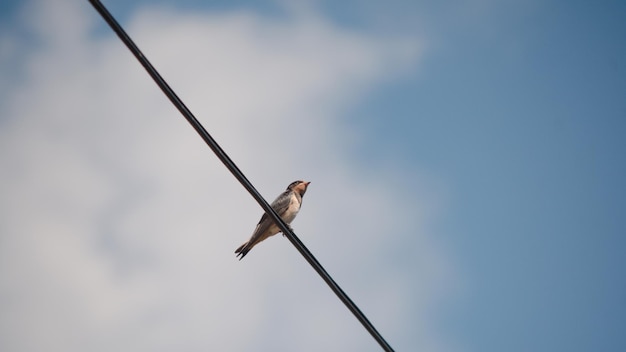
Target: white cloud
<point x="118" y="225"/>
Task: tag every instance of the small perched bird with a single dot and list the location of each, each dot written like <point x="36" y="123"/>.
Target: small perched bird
<point x="286" y="206"/>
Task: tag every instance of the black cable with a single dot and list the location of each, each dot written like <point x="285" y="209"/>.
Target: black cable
<point x="238" y="174"/>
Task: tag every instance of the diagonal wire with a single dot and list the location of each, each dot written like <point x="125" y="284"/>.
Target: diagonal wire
<point x="106" y="15"/>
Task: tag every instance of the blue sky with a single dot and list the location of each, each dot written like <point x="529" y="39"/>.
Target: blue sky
<point x="486" y="135"/>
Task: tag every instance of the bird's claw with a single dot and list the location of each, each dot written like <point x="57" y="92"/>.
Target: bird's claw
<point x="290" y="229"/>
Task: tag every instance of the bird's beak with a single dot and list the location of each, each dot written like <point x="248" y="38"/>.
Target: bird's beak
<point x="307" y="183"/>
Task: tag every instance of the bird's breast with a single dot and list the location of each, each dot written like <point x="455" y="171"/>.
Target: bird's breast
<point x="292" y="209"/>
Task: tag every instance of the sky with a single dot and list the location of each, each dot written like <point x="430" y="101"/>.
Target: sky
<point x="465" y="158"/>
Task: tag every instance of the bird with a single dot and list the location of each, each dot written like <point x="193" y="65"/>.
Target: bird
<point x="287" y="206"/>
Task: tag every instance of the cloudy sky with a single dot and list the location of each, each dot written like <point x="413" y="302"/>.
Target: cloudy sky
<point x="466" y="159"/>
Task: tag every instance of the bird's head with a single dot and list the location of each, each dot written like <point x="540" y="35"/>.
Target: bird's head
<point x="298" y="186"/>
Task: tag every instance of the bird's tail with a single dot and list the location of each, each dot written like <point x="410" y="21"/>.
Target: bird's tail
<point x="243" y="250"/>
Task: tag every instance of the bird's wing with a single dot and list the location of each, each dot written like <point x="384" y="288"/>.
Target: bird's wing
<point x="280" y="206"/>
